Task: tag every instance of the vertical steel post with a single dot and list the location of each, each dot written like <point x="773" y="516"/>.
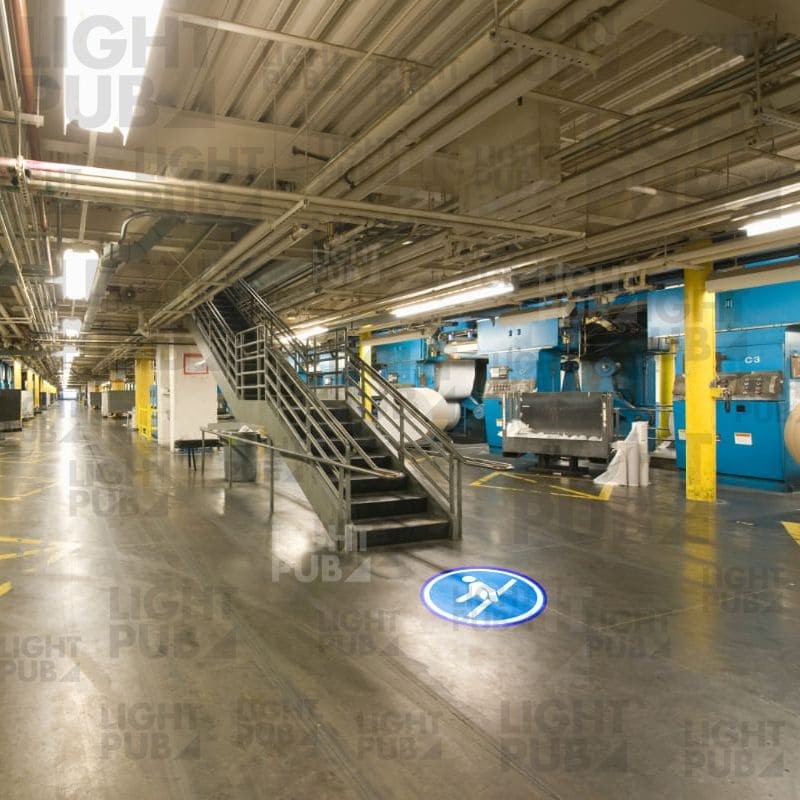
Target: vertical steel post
<point x="230" y="463"/>
<point x="271" y="478"/>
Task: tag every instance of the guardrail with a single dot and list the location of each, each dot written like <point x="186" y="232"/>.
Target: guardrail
<point x="265" y="442"/>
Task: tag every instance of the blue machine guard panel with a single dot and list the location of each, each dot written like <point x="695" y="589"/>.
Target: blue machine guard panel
<point x="750" y="439"/>
<point x="484" y="597"/>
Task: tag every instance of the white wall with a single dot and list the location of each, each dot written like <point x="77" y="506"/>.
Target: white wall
<point x="185" y="402"/>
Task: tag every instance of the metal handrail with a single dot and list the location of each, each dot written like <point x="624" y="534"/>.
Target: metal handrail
<point x="292" y="454"/>
<point x="293" y="384"/>
<point x="257" y="359"/>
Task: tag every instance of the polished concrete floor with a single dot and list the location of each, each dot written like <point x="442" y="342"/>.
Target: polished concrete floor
<point x="161" y="637"/>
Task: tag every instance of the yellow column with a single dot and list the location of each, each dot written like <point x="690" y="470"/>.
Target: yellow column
<point x="365" y="353"/>
<point x="145" y="373"/>
<point x="666" y="383"/>
<point x="17" y="374"/>
<point x="701" y="371"/>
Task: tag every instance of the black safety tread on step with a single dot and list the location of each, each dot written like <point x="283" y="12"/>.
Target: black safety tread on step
<point x="400" y="530"/>
<point x="371" y="484"/>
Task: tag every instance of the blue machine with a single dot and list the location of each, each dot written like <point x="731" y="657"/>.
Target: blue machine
<point x="599" y="348"/>
<point x="415" y="363"/>
<point x="758" y="356"/>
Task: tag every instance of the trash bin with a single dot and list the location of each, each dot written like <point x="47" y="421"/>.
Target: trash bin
<point x="241" y="459"/>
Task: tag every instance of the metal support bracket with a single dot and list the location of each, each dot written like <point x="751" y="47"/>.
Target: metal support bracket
<point x="544" y="47"/>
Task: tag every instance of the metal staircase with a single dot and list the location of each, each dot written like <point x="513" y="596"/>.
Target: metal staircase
<point x="319" y="399"/>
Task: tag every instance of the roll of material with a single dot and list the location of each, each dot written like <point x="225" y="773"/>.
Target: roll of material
<point x="632" y="453"/>
<point x="791" y="434"/>
<point x="429" y="403"/>
<point x="454" y="410"/>
<point x="455" y="379"/>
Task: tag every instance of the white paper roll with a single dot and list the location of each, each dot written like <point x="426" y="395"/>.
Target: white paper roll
<point x="455" y="379"/>
<point x="632" y="449"/>
<point x="791" y="434"/>
<point x="454" y="410"/>
<point x="429" y="403"/>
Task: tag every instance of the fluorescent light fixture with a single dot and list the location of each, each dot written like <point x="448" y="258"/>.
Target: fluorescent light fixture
<point x="105" y="57"/>
<point x="751" y="279"/>
<point x="458" y="298"/>
<point x="79" y="269"/>
<point x="71" y="328"/>
<point x="781" y="222"/>
<point x="648" y="190"/>
<point x="304" y="334"/>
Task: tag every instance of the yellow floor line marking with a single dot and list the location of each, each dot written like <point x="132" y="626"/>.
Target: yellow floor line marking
<point x="793" y="529"/>
<point x="485" y="479"/>
<point x="23" y="554"/>
<point x="54" y="551"/>
<point x="15" y="540"/>
<point x="604" y="494"/>
<point x="5" y="588"/>
<point x="554" y="489"/>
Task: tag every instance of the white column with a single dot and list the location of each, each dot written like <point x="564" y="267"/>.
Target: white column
<point x="187" y="399"/>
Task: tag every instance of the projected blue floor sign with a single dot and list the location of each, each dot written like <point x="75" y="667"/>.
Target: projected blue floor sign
<point x="486" y="597"/>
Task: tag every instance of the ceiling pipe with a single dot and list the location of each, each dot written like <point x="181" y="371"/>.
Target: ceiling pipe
<point x="469" y="62"/>
<point x="437" y="129"/>
<point x="115" y="254"/>
<point x="19" y="13"/>
<point x="66" y="180"/>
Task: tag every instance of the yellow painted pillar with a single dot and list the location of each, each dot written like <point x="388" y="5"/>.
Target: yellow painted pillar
<point x="666" y="383"/>
<point x="145" y="377"/>
<point x="701" y="372"/>
<point x="365" y="353"/>
<point x="17" y="374"/>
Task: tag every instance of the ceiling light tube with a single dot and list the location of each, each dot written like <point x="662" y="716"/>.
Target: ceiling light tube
<point x="79" y="269"/>
<point x="781" y="222"/>
<point x="447" y="301"/>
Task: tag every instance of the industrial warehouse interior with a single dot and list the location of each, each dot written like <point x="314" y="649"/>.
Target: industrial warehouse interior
<point x="400" y="399"/>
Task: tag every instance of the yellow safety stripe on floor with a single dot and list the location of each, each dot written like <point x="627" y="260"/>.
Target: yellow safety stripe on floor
<point x="5" y="588"/>
<point x="488" y="482"/>
<point x="54" y="551"/>
<point x="793" y="529"/>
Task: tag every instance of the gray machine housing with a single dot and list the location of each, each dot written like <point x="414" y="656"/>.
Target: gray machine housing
<point x="565" y="424"/>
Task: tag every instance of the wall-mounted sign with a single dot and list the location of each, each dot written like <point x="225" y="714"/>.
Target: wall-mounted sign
<point x="194" y="364"/>
<point x="486" y="597"/>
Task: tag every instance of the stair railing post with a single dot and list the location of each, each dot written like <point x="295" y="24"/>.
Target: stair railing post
<point x="401" y="450"/>
<point x="230" y="464"/>
<point x="271" y="477"/>
<point x="458" y="527"/>
<point x="452" y="495"/>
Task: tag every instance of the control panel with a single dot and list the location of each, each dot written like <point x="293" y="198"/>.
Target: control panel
<point x="502" y="387"/>
<point x="741" y="385"/>
<point x="752" y="385"/>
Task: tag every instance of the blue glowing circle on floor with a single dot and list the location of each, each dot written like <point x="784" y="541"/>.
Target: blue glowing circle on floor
<point x="486" y="597"/>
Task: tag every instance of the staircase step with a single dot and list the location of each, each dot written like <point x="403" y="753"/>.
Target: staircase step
<point x="343" y="414"/>
<point x="394" y="504"/>
<point x="378" y="459"/>
<point x="399" y="530"/>
<point x="367" y="484"/>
